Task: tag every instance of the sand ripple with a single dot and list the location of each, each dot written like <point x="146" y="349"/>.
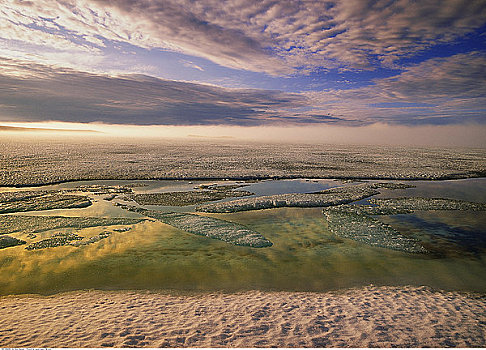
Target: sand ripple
<point x="366" y="317"/>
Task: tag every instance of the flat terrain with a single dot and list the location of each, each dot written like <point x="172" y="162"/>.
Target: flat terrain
<point x="36" y="162"/>
<point x="95" y="241"/>
<point x="365" y="317"/>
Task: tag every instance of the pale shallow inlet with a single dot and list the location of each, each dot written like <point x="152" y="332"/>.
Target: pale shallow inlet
<point x="305" y="255"/>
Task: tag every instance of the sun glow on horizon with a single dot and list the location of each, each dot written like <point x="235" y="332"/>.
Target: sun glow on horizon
<point x="446" y="135"/>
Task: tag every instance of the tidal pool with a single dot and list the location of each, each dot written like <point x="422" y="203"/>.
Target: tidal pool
<point x="305" y="255"/>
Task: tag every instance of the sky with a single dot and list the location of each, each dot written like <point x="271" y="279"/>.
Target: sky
<point x="364" y="71"/>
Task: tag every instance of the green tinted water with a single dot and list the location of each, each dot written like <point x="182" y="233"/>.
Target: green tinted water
<point x="305" y="257"/>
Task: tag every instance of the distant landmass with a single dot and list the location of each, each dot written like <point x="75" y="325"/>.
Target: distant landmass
<point x="19" y="128"/>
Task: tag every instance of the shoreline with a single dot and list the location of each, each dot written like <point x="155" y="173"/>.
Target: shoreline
<point x="259" y="178"/>
<point x="359" y="317"/>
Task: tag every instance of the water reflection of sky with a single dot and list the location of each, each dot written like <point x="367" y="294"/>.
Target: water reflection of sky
<point x="305" y="255"/>
<point x="445" y="232"/>
<point x="473" y="190"/>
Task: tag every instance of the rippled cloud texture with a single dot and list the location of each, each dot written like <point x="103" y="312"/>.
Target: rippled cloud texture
<point x="182" y="62"/>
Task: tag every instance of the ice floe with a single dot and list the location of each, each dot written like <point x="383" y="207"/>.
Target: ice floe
<point x="204" y="194"/>
<point x="329" y="197"/>
<point x="356" y="221"/>
<point x="21" y="201"/>
<point x="418" y="203"/>
<point x="347" y="223"/>
<point x="222" y="230"/>
<point x="34" y="224"/>
<point x="57" y="240"/>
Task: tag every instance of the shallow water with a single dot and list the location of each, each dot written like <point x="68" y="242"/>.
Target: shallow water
<point x="305" y="255"/>
<point x="473" y="190"/>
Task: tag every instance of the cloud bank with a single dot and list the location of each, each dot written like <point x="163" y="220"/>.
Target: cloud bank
<point x="440" y="91"/>
<point x="447" y="90"/>
<point x="44" y="93"/>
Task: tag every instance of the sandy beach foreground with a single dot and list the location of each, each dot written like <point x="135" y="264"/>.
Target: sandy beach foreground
<point x="365" y="317"/>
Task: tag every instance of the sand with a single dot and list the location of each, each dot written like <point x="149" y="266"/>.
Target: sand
<point x="364" y="317"/>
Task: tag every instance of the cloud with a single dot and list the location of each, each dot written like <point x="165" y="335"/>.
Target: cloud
<point x="34" y="92"/>
<point x="388" y="30"/>
<point x="439" y="80"/>
<point x="276" y="37"/>
<point x="190" y="64"/>
<point x="439" y="91"/>
<point x="446" y="90"/>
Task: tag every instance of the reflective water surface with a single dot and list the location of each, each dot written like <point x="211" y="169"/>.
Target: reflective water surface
<point x="305" y="255"/>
